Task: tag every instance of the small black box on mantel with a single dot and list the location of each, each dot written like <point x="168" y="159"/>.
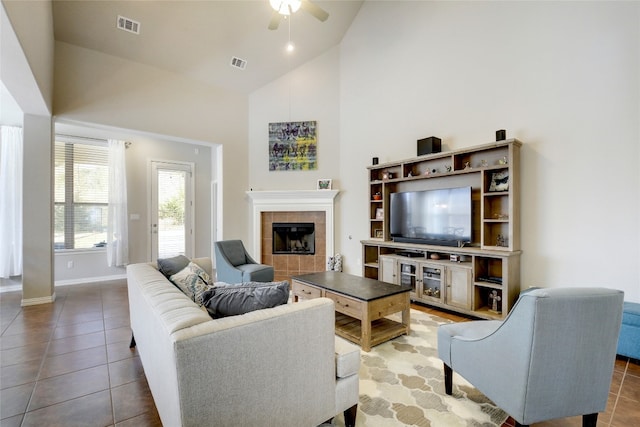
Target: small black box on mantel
<point x="428" y="145"/>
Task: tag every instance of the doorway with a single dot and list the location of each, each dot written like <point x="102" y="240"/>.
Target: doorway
<point x="171" y="204"/>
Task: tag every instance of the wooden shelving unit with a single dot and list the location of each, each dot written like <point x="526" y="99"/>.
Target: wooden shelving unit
<point x="492" y="261"/>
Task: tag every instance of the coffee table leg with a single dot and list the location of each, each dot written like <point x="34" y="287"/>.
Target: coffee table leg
<point x="365" y="325"/>
<point x="406" y="315"/>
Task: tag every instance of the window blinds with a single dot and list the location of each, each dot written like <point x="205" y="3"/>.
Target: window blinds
<point x="81" y="190"/>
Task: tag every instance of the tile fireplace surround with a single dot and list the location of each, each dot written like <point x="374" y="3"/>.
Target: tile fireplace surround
<point x="315" y="206"/>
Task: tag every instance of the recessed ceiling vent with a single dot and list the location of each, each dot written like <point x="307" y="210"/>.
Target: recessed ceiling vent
<point x="238" y="63"/>
<point x="128" y="24"/>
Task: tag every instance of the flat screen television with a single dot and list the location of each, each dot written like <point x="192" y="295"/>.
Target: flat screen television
<point x="434" y="217"/>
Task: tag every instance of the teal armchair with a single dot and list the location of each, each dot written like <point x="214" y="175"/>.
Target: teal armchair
<point x="235" y="265"/>
<point x="552" y="357"/>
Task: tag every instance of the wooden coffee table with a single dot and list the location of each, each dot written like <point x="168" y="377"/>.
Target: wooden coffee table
<point x="361" y="305"/>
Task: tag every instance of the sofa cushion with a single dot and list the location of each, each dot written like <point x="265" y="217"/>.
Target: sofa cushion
<point x="347" y="358"/>
<point x="230" y="300"/>
<point x="193" y="281"/>
<point x="170" y="266"/>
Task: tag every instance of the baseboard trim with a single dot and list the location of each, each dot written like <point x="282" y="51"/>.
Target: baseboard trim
<point x="38" y="301"/>
<point x="87" y="280"/>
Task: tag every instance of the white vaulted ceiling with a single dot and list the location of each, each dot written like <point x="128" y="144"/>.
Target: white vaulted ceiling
<point x="199" y="38"/>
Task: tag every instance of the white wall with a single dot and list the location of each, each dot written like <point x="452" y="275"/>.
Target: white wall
<point x="563" y="77"/>
<point x="310" y="92"/>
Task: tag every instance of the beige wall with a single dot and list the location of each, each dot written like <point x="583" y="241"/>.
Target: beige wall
<point x="31" y="22"/>
<point x="92" y="265"/>
<point x="37" y="211"/>
<point x="562" y="77"/>
<point x="26" y="69"/>
<point x="92" y="87"/>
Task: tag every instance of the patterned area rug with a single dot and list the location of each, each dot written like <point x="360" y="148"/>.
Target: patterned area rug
<point x="401" y="383"/>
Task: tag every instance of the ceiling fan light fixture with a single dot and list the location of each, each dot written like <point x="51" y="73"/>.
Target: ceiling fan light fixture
<point x="285" y="7"/>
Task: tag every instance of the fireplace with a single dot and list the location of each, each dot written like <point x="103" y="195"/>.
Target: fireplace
<point x="294" y="238"/>
<point x="293" y="206"/>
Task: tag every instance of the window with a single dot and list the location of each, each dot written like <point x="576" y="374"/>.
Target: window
<point x="81" y="191"/>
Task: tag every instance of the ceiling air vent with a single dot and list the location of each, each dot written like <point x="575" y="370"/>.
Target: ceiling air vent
<point x="238" y="63"/>
<point x="128" y="24"/>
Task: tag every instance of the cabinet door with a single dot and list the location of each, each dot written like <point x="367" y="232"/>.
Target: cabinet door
<point x="407" y="272"/>
<point x="458" y="292"/>
<point x="388" y="270"/>
<point x="431" y="278"/>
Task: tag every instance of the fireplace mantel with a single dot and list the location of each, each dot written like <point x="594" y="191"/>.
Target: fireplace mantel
<point x="291" y="201"/>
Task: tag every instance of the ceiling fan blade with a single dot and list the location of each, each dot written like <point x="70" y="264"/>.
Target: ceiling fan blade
<point x="275" y="20"/>
<point x="314" y="10"/>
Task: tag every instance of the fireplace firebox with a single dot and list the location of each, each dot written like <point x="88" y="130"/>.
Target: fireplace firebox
<point x="294" y="238"/>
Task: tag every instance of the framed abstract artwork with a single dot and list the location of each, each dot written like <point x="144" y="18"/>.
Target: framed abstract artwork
<point x="293" y="146"/>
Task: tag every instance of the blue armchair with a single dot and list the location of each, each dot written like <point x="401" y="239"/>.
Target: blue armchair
<point x="552" y="357"/>
<point x="235" y="265"/>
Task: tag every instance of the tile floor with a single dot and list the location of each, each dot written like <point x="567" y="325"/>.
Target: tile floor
<point x="69" y="364"/>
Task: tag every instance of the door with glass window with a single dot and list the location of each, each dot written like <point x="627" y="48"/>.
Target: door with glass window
<point x="171" y="209"/>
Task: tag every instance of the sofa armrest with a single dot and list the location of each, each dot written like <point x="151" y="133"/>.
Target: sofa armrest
<point x="276" y="364"/>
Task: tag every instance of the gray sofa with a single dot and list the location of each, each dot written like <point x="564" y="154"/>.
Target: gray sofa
<point x="281" y="366"/>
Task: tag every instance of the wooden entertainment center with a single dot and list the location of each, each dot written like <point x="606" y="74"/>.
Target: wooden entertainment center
<point x="481" y="278"/>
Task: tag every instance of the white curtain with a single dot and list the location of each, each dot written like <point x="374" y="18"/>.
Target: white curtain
<point x="10" y="201"/>
<point x="118" y="230"/>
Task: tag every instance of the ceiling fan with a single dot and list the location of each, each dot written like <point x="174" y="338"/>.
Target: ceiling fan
<point x="287" y="7"/>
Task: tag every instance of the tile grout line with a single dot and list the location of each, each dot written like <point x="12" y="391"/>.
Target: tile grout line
<point x="615" y="403"/>
<point x="44" y="357"/>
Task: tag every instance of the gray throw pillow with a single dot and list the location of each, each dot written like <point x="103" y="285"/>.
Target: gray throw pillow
<point x="230" y="300"/>
<point x="170" y="266"/>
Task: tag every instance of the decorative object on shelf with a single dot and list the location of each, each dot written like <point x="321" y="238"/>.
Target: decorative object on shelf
<point x="387" y="175"/>
<point x="434" y="256"/>
<point x="379" y="213"/>
<point x="334" y="263"/>
<point x="502" y="241"/>
<point x="434" y="170"/>
<point x="377" y="196"/>
<point x="500" y="216"/>
<point x="429" y="145"/>
<point x="378" y="233"/>
<point x="467" y="165"/>
<point x="501" y="135"/>
<point x="410" y="175"/>
<point x="427" y="172"/>
<point x="494" y="299"/>
<point x="293" y="146"/>
<point x="338" y="264"/>
<point x="484" y="163"/>
<point x="374" y="161"/>
<point x="448" y="168"/>
<point x="499" y="181"/>
<point x="503" y="161"/>
<point x="331" y="263"/>
<point x="454" y="258"/>
<point x="324" y="184"/>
